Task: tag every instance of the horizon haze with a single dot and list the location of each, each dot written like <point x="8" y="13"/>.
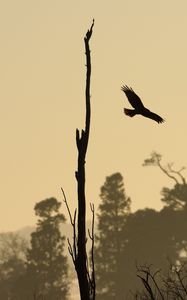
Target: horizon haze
<point x="42" y="77"/>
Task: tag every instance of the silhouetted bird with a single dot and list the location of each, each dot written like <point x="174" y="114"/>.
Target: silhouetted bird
<point x="139" y="108"/>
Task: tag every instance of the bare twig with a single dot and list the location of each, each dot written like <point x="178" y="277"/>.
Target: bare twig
<point x="67" y="206"/>
<point x="92" y="238"/>
<point x="155" y="160"/>
<point x="177" y="172"/>
<point x="181" y="281"/>
<point x="72" y="249"/>
<point x="71" y="252"/>
<point x="148" y="274"/>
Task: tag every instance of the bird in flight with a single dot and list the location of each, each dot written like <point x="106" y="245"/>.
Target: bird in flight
<point x="139" y="108"/>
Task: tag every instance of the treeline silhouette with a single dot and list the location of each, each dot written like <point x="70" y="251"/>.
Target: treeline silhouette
<point x="138" y="255"/>
<point x="38" y="271"/>
<point x="128" y="244"/>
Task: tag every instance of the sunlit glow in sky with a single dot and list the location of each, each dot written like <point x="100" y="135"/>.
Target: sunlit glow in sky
<point x="42" y="77"/>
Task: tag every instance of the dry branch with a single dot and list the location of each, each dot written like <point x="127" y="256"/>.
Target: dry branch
<point x="155" y="160"/>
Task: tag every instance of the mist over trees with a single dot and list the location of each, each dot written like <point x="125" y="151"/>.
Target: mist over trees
<point x="129" y="247"/>
<point x="13" y="249"/>
<point x="39" y="269"/>
<point x="129" y="242"/>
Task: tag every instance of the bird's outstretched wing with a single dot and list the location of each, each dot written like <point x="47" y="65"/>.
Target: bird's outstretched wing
<point x="154" y="117"/>
<point x="134" y="100"/>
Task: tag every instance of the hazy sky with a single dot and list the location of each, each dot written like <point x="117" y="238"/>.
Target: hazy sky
<point x="42" y="76"/>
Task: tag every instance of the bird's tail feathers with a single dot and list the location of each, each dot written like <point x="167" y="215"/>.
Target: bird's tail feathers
<point x="130" y="112"/>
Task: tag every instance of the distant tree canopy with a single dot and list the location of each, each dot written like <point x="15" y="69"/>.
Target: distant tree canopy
<point x="147" y="237"/>
<point x="124" y="240"/>
<point x="113" y="211"/>
<point x="176" y="197"/>
<point x="12" y="245"/>
<point x="13" y="250"/>
<point x="46" y="265"/>
<point x="154" y="238"/>
<point x="31" y="272"/>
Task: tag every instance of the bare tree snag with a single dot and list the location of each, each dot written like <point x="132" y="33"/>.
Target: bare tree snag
<point x="82" y="144"/>
<point x="155" y="160"/>
<point x="77" y="249"/>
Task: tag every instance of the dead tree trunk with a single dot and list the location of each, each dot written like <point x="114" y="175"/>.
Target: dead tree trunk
<point x="77" y="250"/>
<point x="82" y="143"/>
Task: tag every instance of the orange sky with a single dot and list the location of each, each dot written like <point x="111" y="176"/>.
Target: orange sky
<point x="42" y="75"/>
